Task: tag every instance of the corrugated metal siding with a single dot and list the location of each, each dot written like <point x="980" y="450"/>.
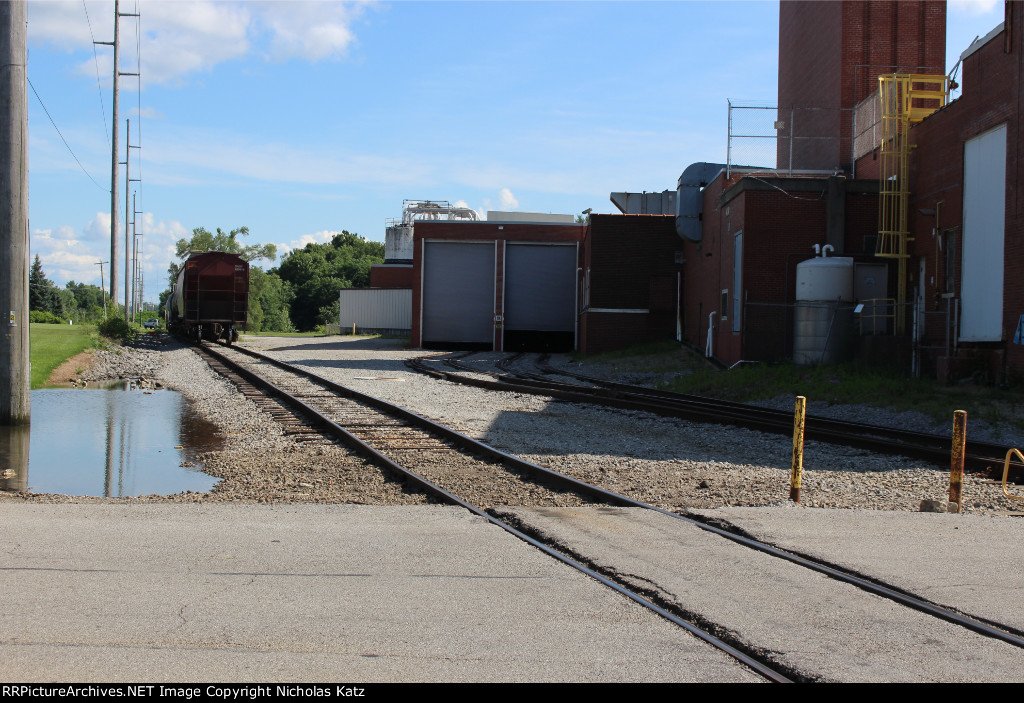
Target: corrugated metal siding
<point x="375" y="308"/>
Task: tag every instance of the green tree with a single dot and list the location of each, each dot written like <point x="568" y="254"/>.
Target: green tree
<point x="203" y="240"/>
<point x="317" y="272"/>
<point x="269" y="300"/>
<point x="43" y="295"/>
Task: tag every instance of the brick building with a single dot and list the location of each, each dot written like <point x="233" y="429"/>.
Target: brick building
<point x="631" y="270"/>
<point x="967" y="214"/>
<point x="501" y="285"/>
<point x="830" y="57"/>
<point x="740" y="277"/>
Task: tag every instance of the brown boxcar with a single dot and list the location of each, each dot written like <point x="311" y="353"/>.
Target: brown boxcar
<point x="210" y="299"/>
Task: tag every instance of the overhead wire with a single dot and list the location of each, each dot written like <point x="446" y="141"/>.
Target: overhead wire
<point x="96" y="62"/>
<point x="70" y="150"/>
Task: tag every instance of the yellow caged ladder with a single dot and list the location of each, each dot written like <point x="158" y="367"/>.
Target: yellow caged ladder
<point x="906" y="99"/>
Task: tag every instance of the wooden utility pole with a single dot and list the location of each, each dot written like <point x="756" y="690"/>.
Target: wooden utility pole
<point x="103" y="292"/>
<point x="115" y="196"/>
<point x="127" y="207"/>
<point x="14" y="352"/>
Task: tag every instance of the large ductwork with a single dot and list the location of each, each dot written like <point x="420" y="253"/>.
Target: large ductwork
<point x="689" y="201"/>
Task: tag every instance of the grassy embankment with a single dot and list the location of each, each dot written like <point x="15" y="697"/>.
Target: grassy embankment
<point x="685" y="371"/>
<point x="52" y="345"/>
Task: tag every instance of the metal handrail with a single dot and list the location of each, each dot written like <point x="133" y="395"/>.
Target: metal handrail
<point x="1006" y="471"/>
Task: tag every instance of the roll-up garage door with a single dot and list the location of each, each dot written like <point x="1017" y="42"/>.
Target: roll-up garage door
<point x="540" y="295"/>
<point x="984" y="237"/>
<point x="458" y="293"/>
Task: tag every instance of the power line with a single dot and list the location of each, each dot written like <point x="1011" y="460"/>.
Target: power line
<point x="96" y="61"/>
<point x="62" y="136"/>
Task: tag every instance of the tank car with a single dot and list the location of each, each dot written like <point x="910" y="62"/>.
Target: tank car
<point x="210" y="298"/>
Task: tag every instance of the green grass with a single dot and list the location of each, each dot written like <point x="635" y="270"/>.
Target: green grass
<point x="854" y="384"/>
<point x="52" y="345"/>
<point x="685" y="371"/>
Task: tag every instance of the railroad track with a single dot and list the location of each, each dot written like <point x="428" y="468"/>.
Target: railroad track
<point x="982" y="457"/>
<point x="439" y="460"/>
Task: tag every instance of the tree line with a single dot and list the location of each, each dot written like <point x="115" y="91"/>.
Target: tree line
<point x="75" y="301"/>
<point x="301" y="294"/>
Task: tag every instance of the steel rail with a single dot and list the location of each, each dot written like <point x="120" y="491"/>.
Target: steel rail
<point x="431" y="488"/>
<point x="980" y="456"/>
<point x="989" y="629"/>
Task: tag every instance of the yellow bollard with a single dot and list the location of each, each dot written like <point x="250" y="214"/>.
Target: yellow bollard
<point x="956" y="469"/>
<point x="353" y="329"/>
<point x="796" y="475"/>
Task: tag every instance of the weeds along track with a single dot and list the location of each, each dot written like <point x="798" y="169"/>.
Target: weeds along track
<point x="511" y="376"/>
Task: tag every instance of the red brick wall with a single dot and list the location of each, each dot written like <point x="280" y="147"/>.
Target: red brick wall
<point x="480" y="231"/>
<point x="632" y="264"/>
<point x="779" y="231"/>
<point x="830" y="56"/>
<point x="992" y="95"/>
<point x="390" y="276"/>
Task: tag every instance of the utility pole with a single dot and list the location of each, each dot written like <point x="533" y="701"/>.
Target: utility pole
<point x="103" y="293"/>
<point x="127" y="208"/>
<point x="14" y="351"/>
<point x="139" y="287"/>
<point x="115" y="196"/>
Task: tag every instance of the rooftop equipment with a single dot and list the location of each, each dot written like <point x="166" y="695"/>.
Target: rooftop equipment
<point x="398" y="233"/>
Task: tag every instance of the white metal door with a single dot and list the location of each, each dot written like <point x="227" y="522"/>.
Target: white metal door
<point x="981" y="288"/>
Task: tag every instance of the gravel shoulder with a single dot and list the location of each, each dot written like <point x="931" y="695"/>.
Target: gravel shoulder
<point x="673" y="464"/>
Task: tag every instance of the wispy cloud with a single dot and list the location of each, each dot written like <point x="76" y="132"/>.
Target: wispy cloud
<point x="181" y="38"/>
<point x="255" y="159"/>
<point x="68" y="254"/>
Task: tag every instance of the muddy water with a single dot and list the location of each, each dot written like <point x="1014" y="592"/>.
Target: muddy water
<point x="117" y="442"/>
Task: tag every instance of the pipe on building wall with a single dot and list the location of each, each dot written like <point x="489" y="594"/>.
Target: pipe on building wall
<point x="709" y="349"/>
<point x="689" y="202"/>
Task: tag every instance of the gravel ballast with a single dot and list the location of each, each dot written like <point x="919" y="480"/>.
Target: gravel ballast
<point x="672" y="464"/>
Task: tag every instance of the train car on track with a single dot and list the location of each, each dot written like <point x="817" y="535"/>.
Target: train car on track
<point x="210" y="298"/>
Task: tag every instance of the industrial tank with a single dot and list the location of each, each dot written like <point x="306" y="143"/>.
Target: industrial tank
<point x="823" y="318"/>
<point x="398" y="244"/>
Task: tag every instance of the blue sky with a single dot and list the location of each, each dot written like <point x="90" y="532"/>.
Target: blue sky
<point x="300" y="119"/>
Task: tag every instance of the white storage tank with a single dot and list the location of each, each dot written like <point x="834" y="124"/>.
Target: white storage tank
<point x="398" y="244"/>
<point x="823" y="318"/>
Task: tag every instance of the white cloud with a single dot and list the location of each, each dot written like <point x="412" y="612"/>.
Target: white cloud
<point x="506" y="200"/>
<point x="310" y="30"/>
<point x="973" y="7"/>
<point x="184" y="37"/>
<point x="67" y="254"/>
<point x="98" y="228"/>
<point x="321" y="237"/>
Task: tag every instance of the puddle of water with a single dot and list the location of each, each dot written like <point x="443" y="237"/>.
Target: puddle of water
<point x="107" y="443"/>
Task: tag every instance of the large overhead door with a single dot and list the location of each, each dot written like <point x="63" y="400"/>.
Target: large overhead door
<point x="984" y="234"/>
<point x="540" y="296"/>
<point x="458" y="293"/>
